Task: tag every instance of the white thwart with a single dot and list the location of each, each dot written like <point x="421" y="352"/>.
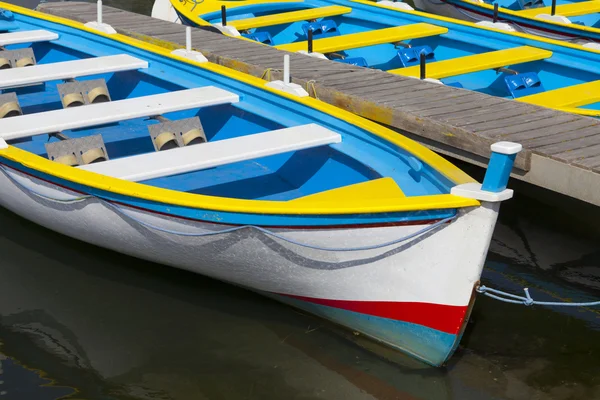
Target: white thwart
<point x="114" y="111"/>
<point x="213" y="154"/>
<point x="15" y="77"/>
<point x="20" y="37"/>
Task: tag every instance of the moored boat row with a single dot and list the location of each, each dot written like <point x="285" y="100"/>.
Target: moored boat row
<point x="167" y="157"/>
<point x="392" y="37"/>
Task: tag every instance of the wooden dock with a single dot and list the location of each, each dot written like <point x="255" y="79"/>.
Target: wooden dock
<point x="561" y="150"/>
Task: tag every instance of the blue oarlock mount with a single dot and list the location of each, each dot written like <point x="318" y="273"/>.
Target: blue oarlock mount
<point x="493" y="188"/>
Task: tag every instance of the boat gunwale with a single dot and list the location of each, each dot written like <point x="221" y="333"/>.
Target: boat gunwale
<point x="166" y="196"/>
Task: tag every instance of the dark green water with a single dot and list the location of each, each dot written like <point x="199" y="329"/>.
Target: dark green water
<point x="79" y="322"/>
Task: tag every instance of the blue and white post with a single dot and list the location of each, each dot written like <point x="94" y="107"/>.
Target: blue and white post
<point x="500" y="165"/>
<point x="496" y="178"/>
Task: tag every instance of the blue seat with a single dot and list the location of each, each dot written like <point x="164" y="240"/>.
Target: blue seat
<point x="454" y="84"/>
<point x="261" y="37"/>
<point x="524" y="84"/>
<point x="322" y="29"/>
<point x="410" y="56"/>
<point x="358" y="61"/>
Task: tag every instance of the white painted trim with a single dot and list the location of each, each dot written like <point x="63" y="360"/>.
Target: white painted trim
<point x="497" y="25"/>
<point x="396" y="4"/>
<point x="104" y="28"/>
<point x="291" y="88"/>
<point x="39" y="35"/>
<point x="191" y="55"/>
<point x="554" y="18"/>
<point x="228" y="29"/>
<point x="507" y="148"/>
<point x="3" y="144"/>
<point x="314" y="54"/>
<point x="473" y="191"/>
<point x="15" y="77"/>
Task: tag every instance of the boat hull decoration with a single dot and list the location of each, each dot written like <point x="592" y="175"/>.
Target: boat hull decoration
<point x="192" y="165"/>
<point x="413" y="296"/>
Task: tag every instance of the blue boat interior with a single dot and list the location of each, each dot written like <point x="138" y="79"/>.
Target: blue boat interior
<point x="592" y="19"/>
<point x="513" y="77"/>
<point x="359" y="157"/>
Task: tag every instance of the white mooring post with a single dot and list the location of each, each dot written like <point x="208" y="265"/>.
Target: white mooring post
<point x="188" y="52"/>
<point x="99" y="25"/>
<point x="286" y="84"/>
<point x="188" y="39"/>
<point x="286" y="69"/>
<point x="99" y="7"/>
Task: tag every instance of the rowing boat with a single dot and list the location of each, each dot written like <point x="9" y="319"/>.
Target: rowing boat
<point x="391" y="37"/>
<point x="573" y="21"/>
<point x="167" y="157"/>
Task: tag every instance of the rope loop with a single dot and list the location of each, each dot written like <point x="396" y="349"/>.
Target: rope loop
<point x="527" y="300"/>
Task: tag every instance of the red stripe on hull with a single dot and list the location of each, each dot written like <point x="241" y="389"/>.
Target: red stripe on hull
<point x="441" y="317"/>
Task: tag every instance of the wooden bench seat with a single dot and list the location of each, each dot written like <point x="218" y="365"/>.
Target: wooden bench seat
<point x="213" y="154"/>
<point x="115" y="111"/>
<point x="570" y="96"/>
<point x="476" y="62"/>
<point x="289" y="17"/>
<point x="369" y="38"/>
<point x="15" y="77"/>
<point x="20" y="37"/>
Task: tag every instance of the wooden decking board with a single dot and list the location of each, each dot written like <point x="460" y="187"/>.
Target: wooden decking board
<point x="458" y="96"/>
<point x="579" y="154"/>
<point x="443" y="110"/>
<point x="570" y="145"/>
<point x="479" y="108"/>
<point x="529" y="129"/>
<point x="466" y="120"/>
<point x="509" y="117"/>
<point x="560" y="129"/>
<point x="577" y="129"/>
<point x="590" y="162"/>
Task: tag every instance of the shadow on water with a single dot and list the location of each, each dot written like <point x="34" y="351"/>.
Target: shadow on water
<point x="113" y="327"/>
<point x="77" y="321"/>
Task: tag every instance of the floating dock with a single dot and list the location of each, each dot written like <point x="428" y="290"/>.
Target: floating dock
<point x="561" y="150"/>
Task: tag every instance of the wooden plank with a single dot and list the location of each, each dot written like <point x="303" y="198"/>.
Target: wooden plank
<point x="476" y="62"/>
<point x="473" y="108"/>
<point x="289" y="17"/>
<point x="368" y="38"/>
<point x="581" y="153"/>
<point x="589" y="162"/>
<point x="510" y="116"/>
<point x="536" y="127"/>
<point x="570" y="145"/>
<point x="577" y="129"/>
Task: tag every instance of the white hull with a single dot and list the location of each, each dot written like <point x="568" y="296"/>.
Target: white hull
<point x="438" y="268"/>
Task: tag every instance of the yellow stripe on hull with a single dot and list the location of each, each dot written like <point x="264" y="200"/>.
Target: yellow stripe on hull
<point x="289" y="17"/>
<point x="370" y="38"/>
<point x="477" y="62"/>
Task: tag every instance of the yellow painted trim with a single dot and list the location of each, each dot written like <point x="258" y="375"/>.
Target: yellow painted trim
<point x="437" y="162"/>
<point x="382" y="188"/>
<point x="566" y="10"/>
<point x="166" y="196"/>
<point x="208" y="6"/>
<point x="289" y="17"/>
<point x="477" y="62"/>
<point x="472" y="25"/>
<point x="368" y="38"/>
<point x="567" y="97"/>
